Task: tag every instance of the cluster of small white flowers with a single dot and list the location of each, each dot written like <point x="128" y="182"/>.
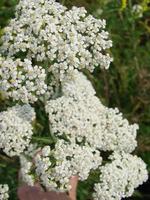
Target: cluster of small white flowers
<point x="118" y="134"/>
<point x="16" y="129"/>
<point x="75" y="118"/>
<point x="4" y="192"/>
<point x="25" y="112"/>
<point x="44" y="30"/>
<point x="76" y="112"/>
<point x="25" y="171"/>
<point x="62" y="42"/>
<point x="137" y="10"/>
<point x="77" y="86"/>
<point x="80" y="159"/>
<point x="43" y="168"/>
<point x="22" y="81"/>
<point x="119" y="178"/>
<point x="79" y="113"/>
<point x="27" y="174"/>
<point x="70" y="159"/>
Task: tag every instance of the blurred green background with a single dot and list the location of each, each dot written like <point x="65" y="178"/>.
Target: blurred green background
<point x="125" y="85"/>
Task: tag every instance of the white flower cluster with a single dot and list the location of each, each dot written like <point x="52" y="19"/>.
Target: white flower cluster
<point x="21" y="80"/>
<point x="77" y="86"/>
<point x="55" y="44"/>
<point x="118" y="134"/>
<point x="16" y="129"/>
<point x="43" y="168"/>
<point x="75" y="118"/>
<point x="70" y="159"/>
<point x="4" y="192"/>
<point x="137" y="10"/>
<point x="25" y="171"/>
<point x="119" y="178"/>
<point x="79" y="113"/>
<point x="27" y="164"/>
<point x="25" y="112"/>
<point x="45" y="31"/>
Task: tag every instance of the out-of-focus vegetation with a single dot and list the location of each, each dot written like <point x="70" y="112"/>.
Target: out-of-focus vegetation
<point x="127" y="83"/>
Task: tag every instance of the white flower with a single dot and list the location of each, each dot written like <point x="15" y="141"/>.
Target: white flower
<point x="137" y="10"/>
<point x="26" y="112"/>
<point x="27" y="174"/>
<point x="77" y="86"/>
<point x="4" y="192"/>
<point x="118" y="134"/>
<point x="25" y="171"/>
<point x="61" y="39"/>
<point x="119" y="178"/>
<point x="46" y="151"/>
<point x="21" y="80"/>
<point x="80" y="114"/>
<point x="15" y="129"/>
<point x="70" y="159"/>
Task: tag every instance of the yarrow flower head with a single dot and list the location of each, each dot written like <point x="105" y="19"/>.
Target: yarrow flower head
<point x="61" y="39"/>
<point x="4" y="192"/>
<point x="44" y="51"/>
<point x="21" y="80"/>
<point x="68" y="163"/>
<point x="16" y="129"/>
<point x="118" y="134"/>
<point x="77" y="86"/>
<point x="80" y="114"/>
<point x="119" y="178"/>
<point x="75" y="119"/>
<point x="55" y="167"/>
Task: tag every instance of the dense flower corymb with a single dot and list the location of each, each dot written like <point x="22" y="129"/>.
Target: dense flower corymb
<point x="61" y="39"/>
<point x="80" y="114"/>
<point x="16" y="129"/>
<point x="77" y="86"/>
<point x="54" y="167"/>
<point x="44" y="49"/>
<point x="21" y="80"/>
<point x="119" y="178"/>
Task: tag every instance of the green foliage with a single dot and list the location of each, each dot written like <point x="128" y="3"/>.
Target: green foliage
<point x="126" y="85"/>
<point x="6" y="11"/>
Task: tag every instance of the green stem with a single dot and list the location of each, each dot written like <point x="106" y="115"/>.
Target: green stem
<point x="43" y="140"/>
<point x="63" y="2"/>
